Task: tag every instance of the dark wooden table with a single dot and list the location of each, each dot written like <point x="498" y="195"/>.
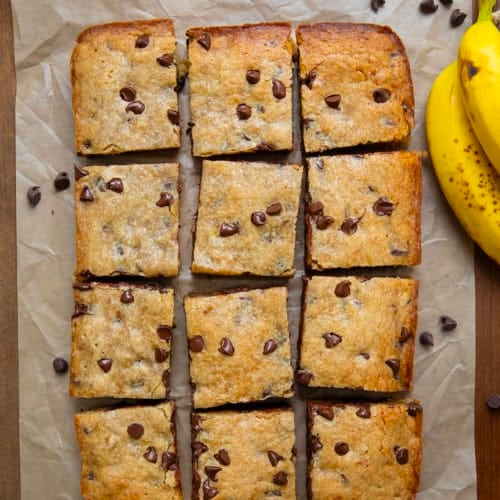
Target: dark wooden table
<point x="487" y="422"/>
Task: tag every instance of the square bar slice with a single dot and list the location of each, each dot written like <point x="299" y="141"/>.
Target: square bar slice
<point x="364" y="210"/>
<point x="240" y="84"/>
<point x="247" y="215"/>
<point x="358" y="333"/>
<point x="356" y="86"/>
<point x="122" y="336"/>
<point x="239" y="346"/>
<point x="364" y="451"/>
<point x="127" y="220"/>
<point x="240" y="454"/>
<point x="123" y="77"/>
<point x="129" y="453"/>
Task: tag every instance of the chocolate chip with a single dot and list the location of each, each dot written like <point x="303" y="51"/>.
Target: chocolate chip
<point x="168" y="461"/>
<point x="90" y="476"/>
<point x="196" y="423"/>
<point x="265" y="146"/>
<point x="294" y="451"/>
<point x="493" y="401"/>
<point x="62" y="182"/>
<point x="211" y="471"/>
<point x="60" y="365"/>
<point x="127" y="94"/>
<point x="258" y="218"/>
<point x="399" y="253"/>
<point x="274" y="458"/>
<point x="413" y="408"/>
<point x="135" y="430"/>
<point x="393" y="364"/>
<point x="173" y="116"/>
<point x="226" y="347"/>
<point x="377" y="4"/>
<point x="274" y="209"/>
<point x="350" y="225"/>
<point x="343" y="289"/>
<point x="331" y="339"/>
<point x="333" y="101"/>
<point x="142" y="42"/>
<point x="281" y="478"/>
<point x="363" y="412"/>
<point x="105" y="364"/>
<point x="303" y="377"/>
<point x="34" y="195"/>
<point x="80" y="309"/>
<point x="270" y="346"/>
<point x="86" y="194"/>
<point x="151" y="455"/>
<point x="253" y="76"/>
<point x="222" y="456"/>
<point x="243" y="111"/>
<point x="457" y="18"/>
<point x="341" y="448"/>
<point x="309" y="79"/>
<point x="447" y="324"/>
<point x="323" y="221"/>
<point x="199" y="448"/>
<point x="426" y="339"/>
<point x="446" y="3"/>
<point x="383" y="207"/>
<point x="196" y="483"/>
<point x="401" y="455"/>
<point x="80" y="172"/>
<point x="404" y="335"/>
<point x="209" y="491"/>
<point x="127" y="297"/>
<point x="160" y="355"/>
<point x="227" y="229"/>
<point x="165" y="380"/>
<point x="196" y="343"/>
<point x="428" y="7"/>
<point x="165" y="60"/>
<point x="314" y="443"/>
<point x="381" y="95"/>
<point x="325" y="411"/>
<point x="315" y="208"/>
<point x="164" y="332"/>
<point x="115" y="184"/>
<point x="166" y="199"/>
<point x="365" y="355"/>
<point x="137" y="107"/>
<point x="279" y="90"/>
<point x="205" y="41"/>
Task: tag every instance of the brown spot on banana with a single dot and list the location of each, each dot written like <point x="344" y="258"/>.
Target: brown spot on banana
<point x="472" y="71"/>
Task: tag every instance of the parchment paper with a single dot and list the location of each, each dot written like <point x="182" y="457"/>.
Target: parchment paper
<point x="45" y="31"/>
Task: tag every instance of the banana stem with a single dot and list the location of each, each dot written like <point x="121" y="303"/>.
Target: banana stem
<point x="485" y="10"/>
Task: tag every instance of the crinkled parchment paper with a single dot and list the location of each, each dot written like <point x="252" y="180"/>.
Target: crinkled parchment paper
<point x="45" y="31"/>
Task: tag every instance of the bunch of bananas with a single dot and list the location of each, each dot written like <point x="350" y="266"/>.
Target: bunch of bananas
<point x="463" y="133"/>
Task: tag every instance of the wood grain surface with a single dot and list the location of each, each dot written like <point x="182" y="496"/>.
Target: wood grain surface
<point x="487" y="422"/>
<point x="9" y="400"/>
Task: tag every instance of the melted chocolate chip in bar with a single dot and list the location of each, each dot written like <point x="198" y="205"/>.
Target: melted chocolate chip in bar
<point x="127" y="94"/>
<point x="80" y="172"/>
<point x="274" y="457"/>
<point x="258" y="218"/>
<point x="325" y="411"/>
<point x="205" y="41"/>
<point x="135" y="430"/>
<point x="165" y="60"/>
<point x="341" y="448"/>
<point x="323" y="221"/>
<point x="393" y="364"/>
<point x="331" y="339"/>
<point x="86" y="194"/>
<point x="279" y="90"/>
<point x="243" y="111"/>
<point x="303" y="377"/>
<point x="142" y="42"/>
<point x="414" y="408"/>
<point x="161" y="355"/>
<point x="309" y="79"/>
<point x="168" y="461"/>
<point x="209" y="491"/>
<point x="364" y="411"/>
<point x="211" y="471"/>
<point x="105" y="364"/>
<point x="401" y="454"/>
<point x="166" y="199"/>
<point x="281" y="478"/>
<point x="222" y="456"/>
<point x="270" y="346"/>
<point x="314" y="443"/>
<point x="151" y="455"/>
<point x="164" y="332"/>
<point x="127" y="297"/>
<point x="343" y="289"/>
<point x="196" y="343"/>
<point x="80" y="309"/>
<point x="381" y="95"/>
<point x="383" y="207"/>
<point x="274" y="209"/>
<point x="115" y="184"/>
<point x="173" y="116"/>
<point x="253" y="76"/>
<point x="226" y="347"/>
<point x="333" y="101"/>
<point x="136" y="107"/>
<point x="227" y="229"/>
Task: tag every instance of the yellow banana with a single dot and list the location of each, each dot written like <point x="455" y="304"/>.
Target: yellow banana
<point x="469" y="182"/>
<point x="479" y="68"/>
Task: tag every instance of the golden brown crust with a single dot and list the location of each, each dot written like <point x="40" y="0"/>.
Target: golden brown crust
<point x="113" y="462"/>
<point x="359" y="333"/>
<point x="127" y="233"/>
<point x="219" y="59"/>
<point x="231" y="192"/>
<point x="371" y="466"/>
<point x="250" y="473"/>
<point x="353" y="61"/>
<point x="106" y="60"/>
<point x="351" y="187"/>
<point x="249" y="320"/>
<point x="129" y="325"/>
